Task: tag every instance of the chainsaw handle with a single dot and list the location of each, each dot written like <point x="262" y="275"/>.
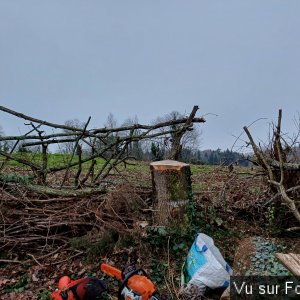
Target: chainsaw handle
<point x="124" y="282"/>
<point x="155" y="297"/>
<point x="111" y="271"/>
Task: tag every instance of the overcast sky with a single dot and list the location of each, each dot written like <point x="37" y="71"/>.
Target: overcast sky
<point x="68" y="59"/>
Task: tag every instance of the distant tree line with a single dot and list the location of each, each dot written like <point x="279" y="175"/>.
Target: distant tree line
<point x="158" y="149"/>
<point x="201" y="157"/>
<point x="219" y="157"/>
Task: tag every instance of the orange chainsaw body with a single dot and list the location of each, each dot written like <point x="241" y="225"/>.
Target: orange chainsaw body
<point x="63" y="285"/>
<point x="137" y="283"/>
<point x="142" y="285"/>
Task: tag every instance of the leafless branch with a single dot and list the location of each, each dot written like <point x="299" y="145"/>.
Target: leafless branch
<point x="109" y="144"/>
<point x="276" y="164"/>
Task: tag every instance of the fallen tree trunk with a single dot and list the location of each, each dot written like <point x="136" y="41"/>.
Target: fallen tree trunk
<point x="51" y="191"/>
<point x="63" y="192"/>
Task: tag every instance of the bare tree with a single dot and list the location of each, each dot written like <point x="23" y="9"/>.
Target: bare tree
<point x="283" y="175"/>
<point x="111" y="121"/>
<point x="4" y="145"/>
<point x="1" y="134"/>
<point x="68" y="147"/>
<point x="135" y="148"/>
<point x="189" y="140"/>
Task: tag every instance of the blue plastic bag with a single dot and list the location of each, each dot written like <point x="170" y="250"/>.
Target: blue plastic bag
<point x="204" y="267"/>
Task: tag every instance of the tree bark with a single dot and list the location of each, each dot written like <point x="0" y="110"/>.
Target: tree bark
<point x="177" y="147"/>
<point x="171" y="181"/>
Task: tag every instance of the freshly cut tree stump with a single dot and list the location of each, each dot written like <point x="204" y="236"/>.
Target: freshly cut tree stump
<point x="172" y="188"/>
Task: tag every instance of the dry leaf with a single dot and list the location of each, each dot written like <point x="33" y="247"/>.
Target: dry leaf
<point x="34" y="278"/>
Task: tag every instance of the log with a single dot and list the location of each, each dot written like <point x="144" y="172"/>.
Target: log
<point x="171" y="183"/>
<point x="54" y="192"/>
<point x="291" y="261"/>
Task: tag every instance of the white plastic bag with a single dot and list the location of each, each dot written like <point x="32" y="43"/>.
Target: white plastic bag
<point x="204" y="267"/>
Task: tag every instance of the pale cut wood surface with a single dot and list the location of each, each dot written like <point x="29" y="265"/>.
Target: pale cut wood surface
<point x="291" y="261"/>
<point x="168" y="164"/>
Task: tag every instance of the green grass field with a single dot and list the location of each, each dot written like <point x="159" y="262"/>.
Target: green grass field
<point x="59" y="159"/>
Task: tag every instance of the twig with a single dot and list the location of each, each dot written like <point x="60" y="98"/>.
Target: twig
<point x="33" y="257"/>
<point x="64" y="260"/>
<point x="292" y="189"/>
<point x="292" y="229"/>
<point x="79" y="170"/>
<point x="10" y="261"/>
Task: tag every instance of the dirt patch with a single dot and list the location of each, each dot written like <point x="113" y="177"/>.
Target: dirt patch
<point x="244" y="251"/>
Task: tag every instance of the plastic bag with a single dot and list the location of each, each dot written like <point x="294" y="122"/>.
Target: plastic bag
<point x="204" y="267"/>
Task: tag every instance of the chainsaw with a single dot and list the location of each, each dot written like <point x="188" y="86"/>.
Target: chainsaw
<point x="135" y="285"/>
<point x="87" y="288"/>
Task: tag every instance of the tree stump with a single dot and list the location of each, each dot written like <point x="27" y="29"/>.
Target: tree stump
<point x="172" y="188"/>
